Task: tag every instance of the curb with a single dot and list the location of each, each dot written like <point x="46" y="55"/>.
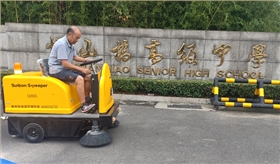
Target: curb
<point x="165" y="102"/>
<point x="152" y="98"/>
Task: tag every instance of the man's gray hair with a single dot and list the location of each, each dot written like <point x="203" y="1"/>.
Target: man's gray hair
<point x="72" y="29"/>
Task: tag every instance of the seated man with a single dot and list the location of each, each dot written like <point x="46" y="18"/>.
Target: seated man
<point x="60" y="65"/>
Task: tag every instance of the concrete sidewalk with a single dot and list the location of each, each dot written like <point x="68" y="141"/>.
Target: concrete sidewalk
<point x="165" y="99"/>
<point x="165" y="102"/>
<point x="182" y="103"/>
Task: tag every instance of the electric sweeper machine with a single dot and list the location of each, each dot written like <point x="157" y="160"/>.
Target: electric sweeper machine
<point x="36" y="106"/>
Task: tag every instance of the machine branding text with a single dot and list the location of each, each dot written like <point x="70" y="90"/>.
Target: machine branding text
<point x="30" y="85"/>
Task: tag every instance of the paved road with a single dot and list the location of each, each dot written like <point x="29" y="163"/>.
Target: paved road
<point x="150" y="135"/>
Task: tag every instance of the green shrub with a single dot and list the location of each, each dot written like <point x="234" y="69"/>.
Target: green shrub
<point x="4" y="73"/>
<point x="189" y="88"/>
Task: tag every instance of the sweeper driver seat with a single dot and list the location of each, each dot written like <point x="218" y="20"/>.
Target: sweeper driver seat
<point x="44" y="66"/>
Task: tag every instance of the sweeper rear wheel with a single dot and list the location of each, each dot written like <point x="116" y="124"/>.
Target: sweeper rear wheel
<point x="33" y="133"/>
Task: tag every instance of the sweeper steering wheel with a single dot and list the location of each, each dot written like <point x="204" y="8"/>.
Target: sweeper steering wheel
<point x="91" y="62"/>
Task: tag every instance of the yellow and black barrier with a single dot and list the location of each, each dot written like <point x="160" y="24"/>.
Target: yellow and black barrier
<point x="257" y="102"/>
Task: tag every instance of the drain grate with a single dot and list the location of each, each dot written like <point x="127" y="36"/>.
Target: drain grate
<point x="193" y="106"/>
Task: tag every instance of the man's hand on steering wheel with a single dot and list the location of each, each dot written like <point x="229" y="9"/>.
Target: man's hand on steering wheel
<point x="87" y="60"/>
<point x="86" y="71"/>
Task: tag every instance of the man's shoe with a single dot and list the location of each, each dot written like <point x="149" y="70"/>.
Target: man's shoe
<point x="86" y="108"/>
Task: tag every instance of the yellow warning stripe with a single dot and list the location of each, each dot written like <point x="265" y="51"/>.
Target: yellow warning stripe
<point x="276" y="106"/>
<point x="247" y="105"/>
<point x="241" y="99"/>
<point x="229" y="103"/>
<point x="261" y="92"/>
<point x="225" y="99"/>
<point x="256" y="92"/>
<point x="275" y="82"/>
<point x="252" y="81"/>
<point x="230" y="80"/>
<point x="268" y="101"/>
<point x="216" y="90"/>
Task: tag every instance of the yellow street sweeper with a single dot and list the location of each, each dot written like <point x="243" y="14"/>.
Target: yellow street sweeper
<point x="37" y="106"/>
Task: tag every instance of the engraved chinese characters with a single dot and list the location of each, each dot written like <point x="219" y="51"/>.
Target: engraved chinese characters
<point x="257" y="55"/>
<point x="87" y="53"/>
<point x="159" y="59"/>
<point x="221" y="52"/>
<point x="190" y="58"/>
<point x="154" y="56"/>
<point x="120" y="51"/>
<point x="50" y="45"/>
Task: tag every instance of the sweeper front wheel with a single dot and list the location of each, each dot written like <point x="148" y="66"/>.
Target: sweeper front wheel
<point x="33" y="133"/>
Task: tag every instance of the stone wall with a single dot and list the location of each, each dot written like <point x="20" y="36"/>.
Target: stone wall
<point x="26" y="43"/>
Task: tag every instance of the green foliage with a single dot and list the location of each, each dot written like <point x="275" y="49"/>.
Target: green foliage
<point x="236" y="90"/>
<point x="4" y="73"/>
<point x="260" y="16"/>
<point x="189" y="88"/>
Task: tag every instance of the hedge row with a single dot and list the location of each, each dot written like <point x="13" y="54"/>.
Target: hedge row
<point x="4" y="73"/>
<point x="185" y="88"/>
<point x="177" y="88"/>
<point x="189" y="88"/>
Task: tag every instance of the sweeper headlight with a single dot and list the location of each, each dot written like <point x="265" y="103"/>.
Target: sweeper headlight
<point x="17" y="68"/>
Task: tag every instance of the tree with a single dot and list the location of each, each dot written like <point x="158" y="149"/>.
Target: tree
<point x="263" y="16"/>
